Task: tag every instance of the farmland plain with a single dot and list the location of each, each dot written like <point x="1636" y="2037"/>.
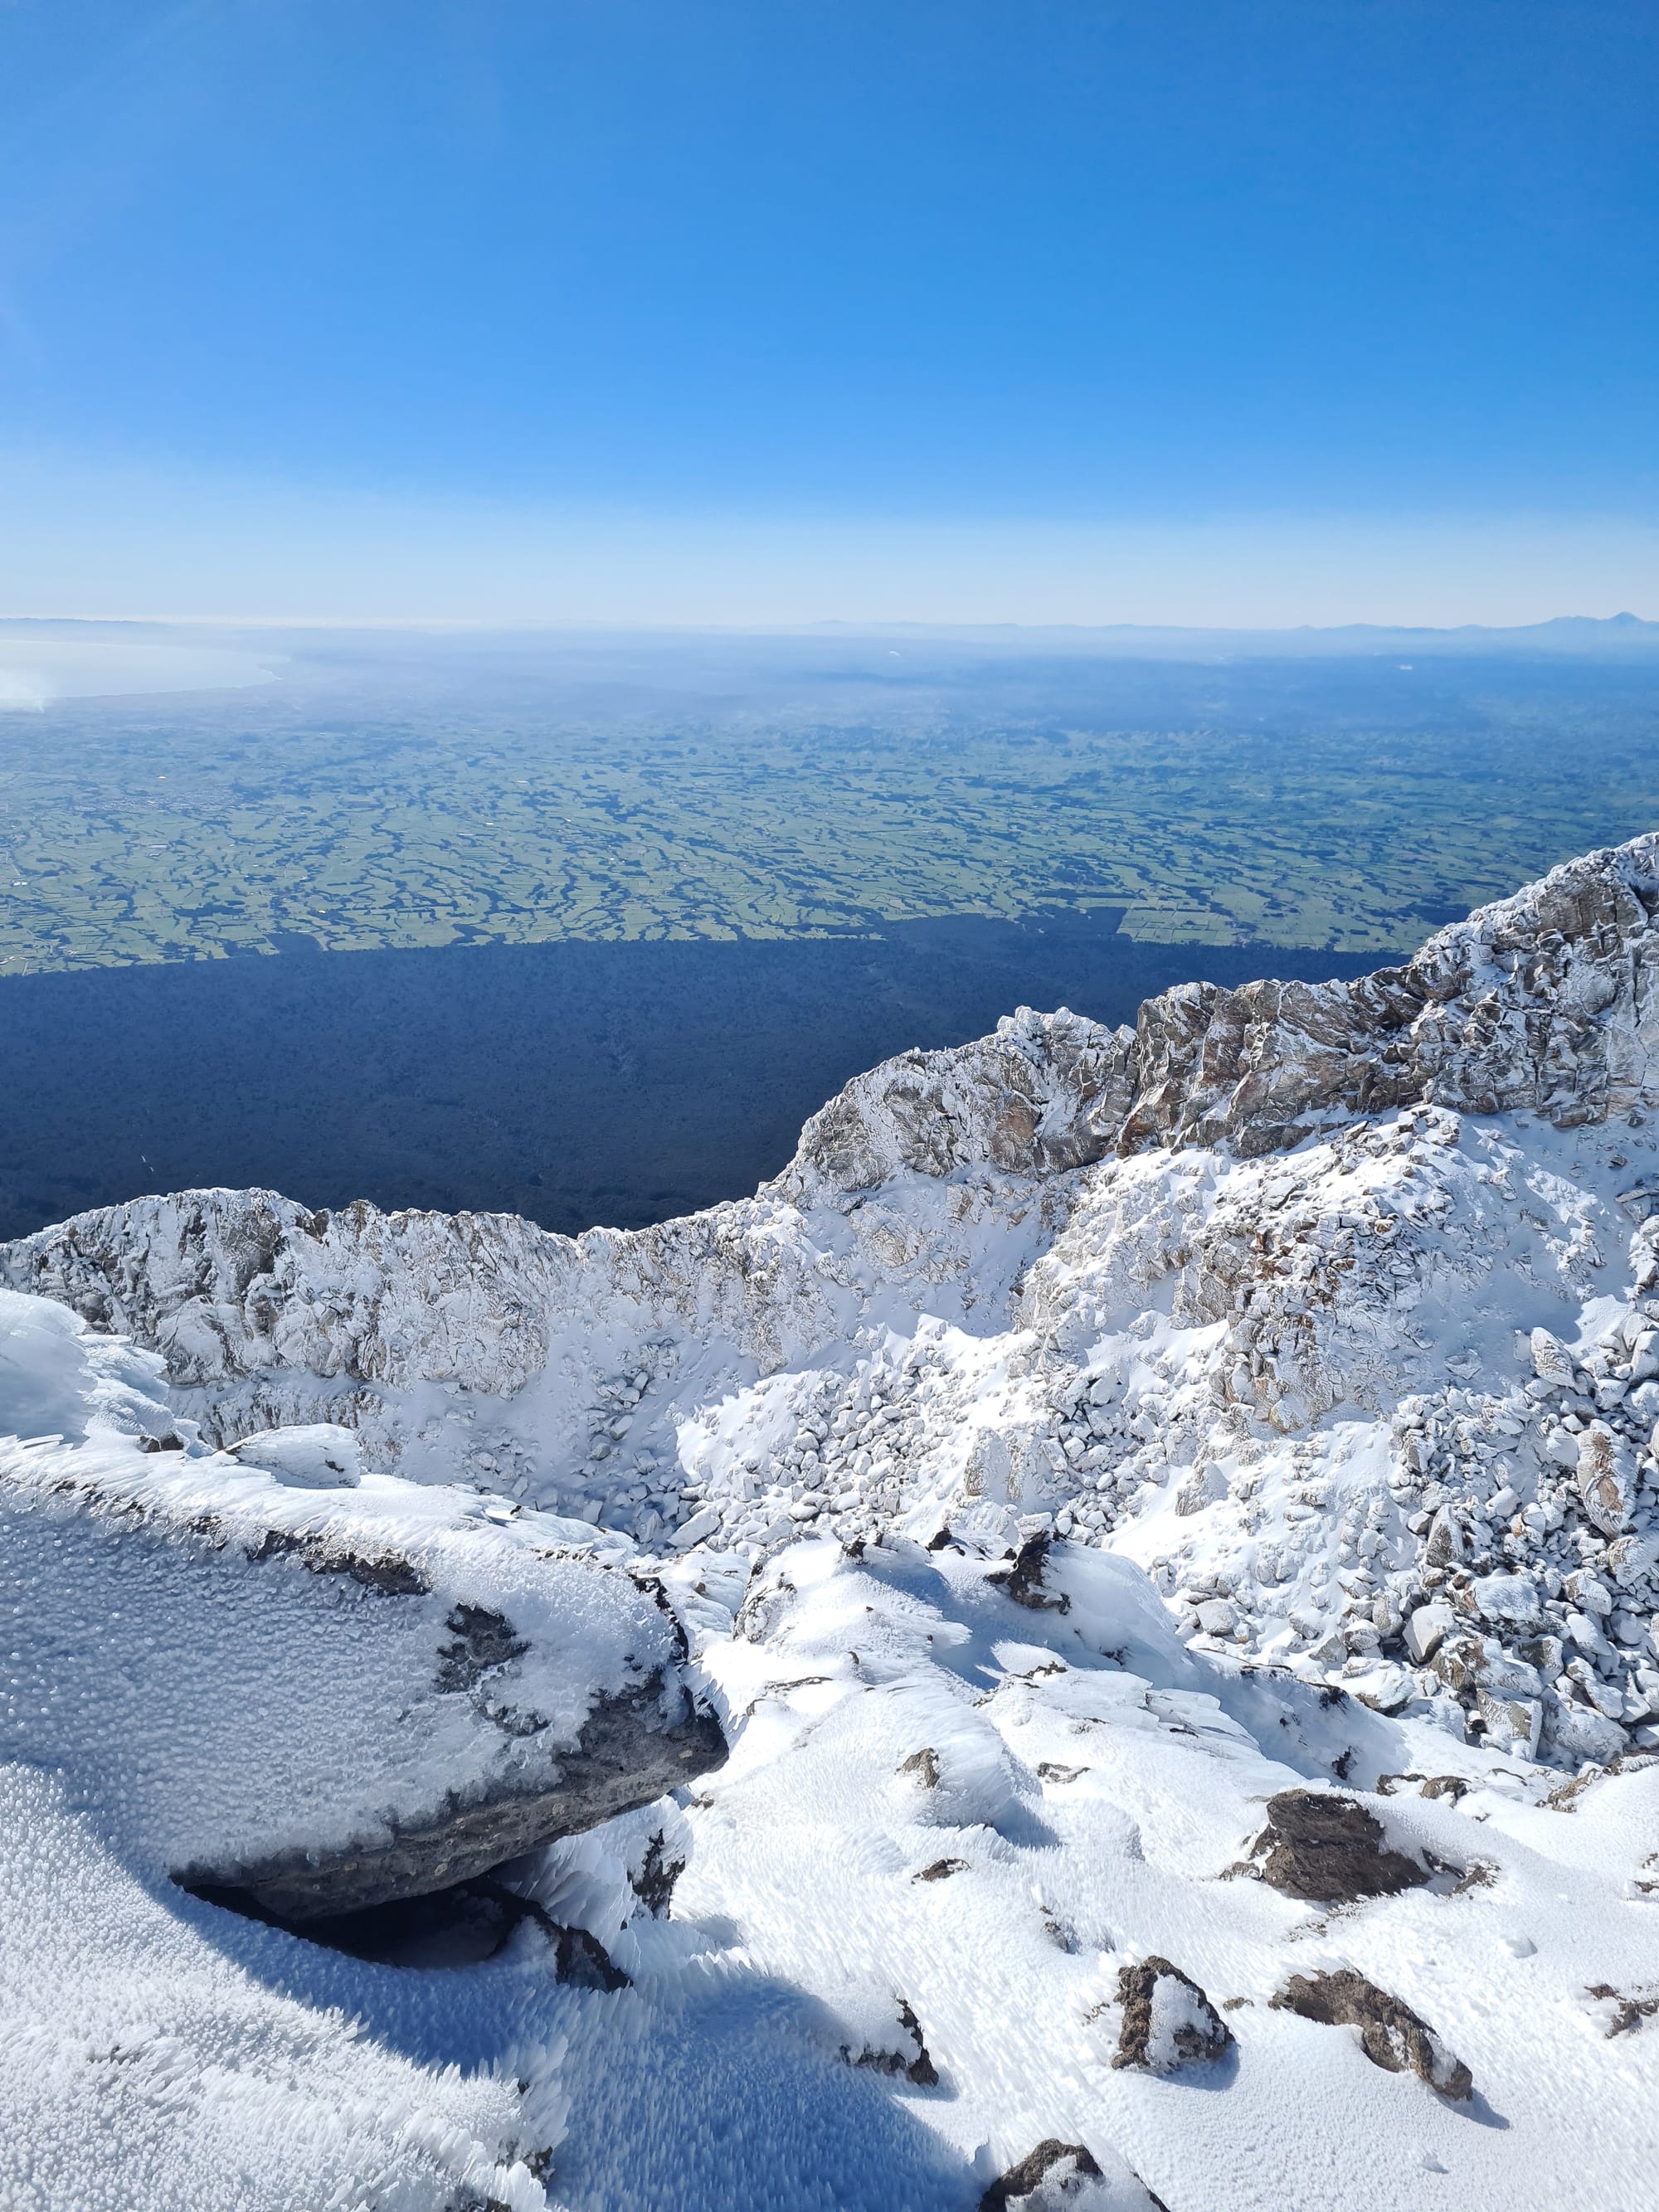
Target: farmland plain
<point x="1347" y="806"/>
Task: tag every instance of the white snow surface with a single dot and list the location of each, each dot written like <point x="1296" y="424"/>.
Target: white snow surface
<point x="1342" y="1450"/>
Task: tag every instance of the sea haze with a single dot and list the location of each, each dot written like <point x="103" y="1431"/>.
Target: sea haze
<point x="573" y="1083"/>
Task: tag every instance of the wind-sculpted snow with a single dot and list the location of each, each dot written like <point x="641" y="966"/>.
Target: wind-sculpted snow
<point x="1092" y="1440"/>
<point x="156" y="2057"/>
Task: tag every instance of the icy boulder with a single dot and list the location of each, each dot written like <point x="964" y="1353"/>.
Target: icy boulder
<point x="323" y="1698"/>
<point x="311" y="1455"/>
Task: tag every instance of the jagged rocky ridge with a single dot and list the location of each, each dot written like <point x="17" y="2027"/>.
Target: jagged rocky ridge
<point x="1237" y="1292"/>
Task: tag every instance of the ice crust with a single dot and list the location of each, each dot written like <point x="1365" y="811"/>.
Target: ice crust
<point x="1302" y="1343"/>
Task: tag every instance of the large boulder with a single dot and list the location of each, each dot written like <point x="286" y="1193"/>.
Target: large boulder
<point x="324" y="1699"/>
<point x="1327" y="1848"/>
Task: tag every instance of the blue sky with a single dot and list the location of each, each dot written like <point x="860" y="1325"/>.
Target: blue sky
<point x="769" y="309"/>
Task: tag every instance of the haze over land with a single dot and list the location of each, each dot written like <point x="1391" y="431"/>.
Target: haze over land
<point x="380" y="790"/>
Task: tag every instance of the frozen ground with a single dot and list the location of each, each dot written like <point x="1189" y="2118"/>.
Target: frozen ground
<point x="950" y="1820"/>
<point x="1091" y="1438"/>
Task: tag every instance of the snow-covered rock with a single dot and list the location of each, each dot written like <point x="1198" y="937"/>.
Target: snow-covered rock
<point x="323" y="1698"/>
<point x="1390" y="2034"/>
<point x="1167" y="2022"/>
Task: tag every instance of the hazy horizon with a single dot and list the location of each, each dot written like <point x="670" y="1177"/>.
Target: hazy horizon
<point x="1253" y="317"/>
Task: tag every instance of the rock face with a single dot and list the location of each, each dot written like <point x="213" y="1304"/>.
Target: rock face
<point x="1391" y="2034"/>
<point x="1329" y="1850"/>
<point x="1542" y="1001"/>
<point x="1167" y="2022"/>
<point x="325" y="1698"/>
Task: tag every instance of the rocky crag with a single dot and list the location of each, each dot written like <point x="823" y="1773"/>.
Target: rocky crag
<point x="1333" y="1304"/>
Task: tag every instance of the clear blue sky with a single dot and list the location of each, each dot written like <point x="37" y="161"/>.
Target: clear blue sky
<point x="788" y="274"/>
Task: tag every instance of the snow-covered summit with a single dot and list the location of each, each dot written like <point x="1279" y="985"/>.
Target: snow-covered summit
<point x="1092" y="1440"/>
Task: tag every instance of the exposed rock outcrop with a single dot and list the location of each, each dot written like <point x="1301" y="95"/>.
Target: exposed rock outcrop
<point x="1023" y="1581"/>
<point x="1057" y="2168"/>
<point x="1168" y="2022"/>
<point x="1391" y="2034"/>
<point x="1329" y="1850"/>
<point x="902" y="2052"/>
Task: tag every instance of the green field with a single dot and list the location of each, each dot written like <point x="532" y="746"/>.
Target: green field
<point x="202" y="828"/>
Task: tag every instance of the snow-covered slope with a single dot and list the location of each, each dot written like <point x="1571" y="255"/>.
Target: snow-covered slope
<point x="1332" y="1308"/>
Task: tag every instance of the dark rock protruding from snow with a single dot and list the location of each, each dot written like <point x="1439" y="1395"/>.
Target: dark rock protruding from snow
<point x="1329" y="1850"/>
<point x="1391" y="2034"/>
<point x="654" y="1879"/>
<point x="911" y="2059"/>
<point x="1053" y="2166"/>
<point x="1067" y="2177"/>
<point x="1023" y="1579"/>
<point x="1168" y="2021"/>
